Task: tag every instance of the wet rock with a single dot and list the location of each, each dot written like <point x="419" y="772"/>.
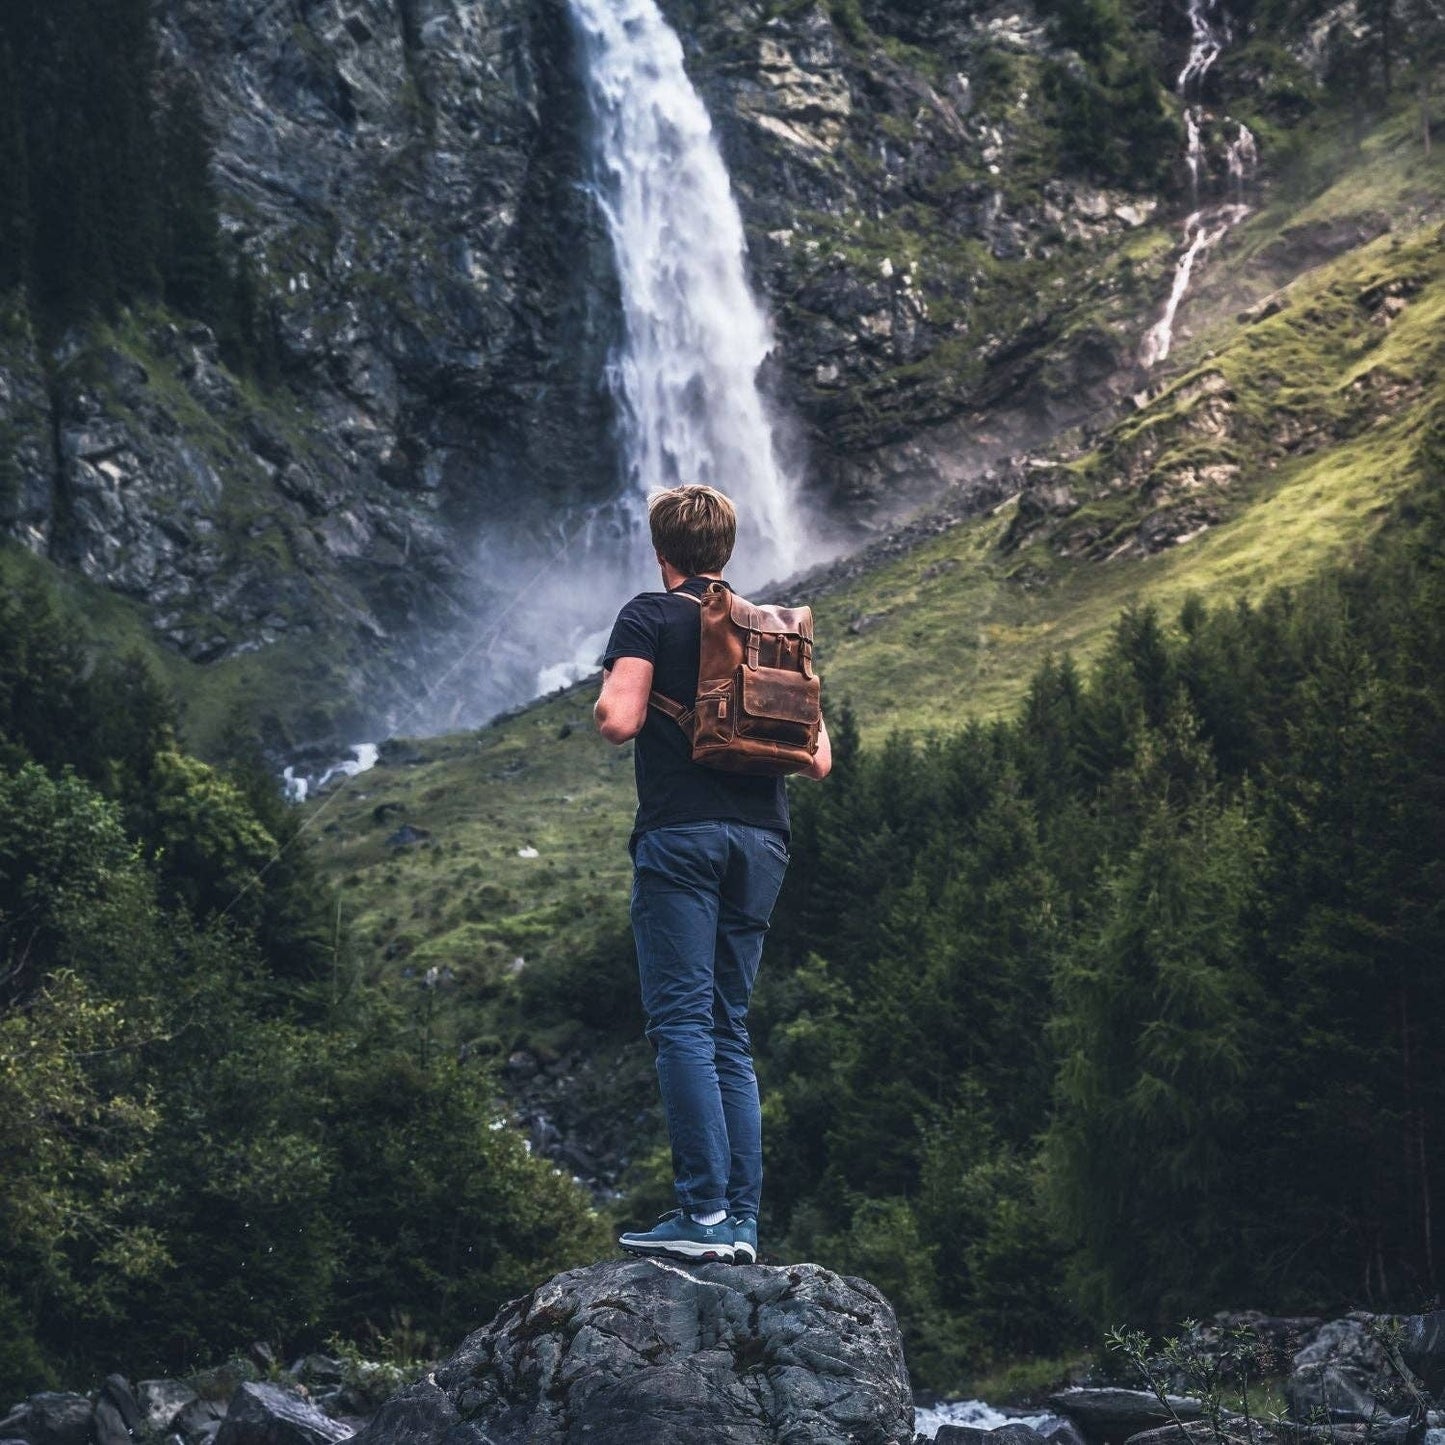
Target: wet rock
<point x="161" y="1402"/>
<point x="419" y="1415"/>
<point x="1341" y="1374"/>
<point x="1108" y="1415"/>
<point x="316" y="1369"/>
<point x="199" y="1422"/>
<point x="261" y="1414"/>
<point x="646" y="1350"/>
<point x="1423" y="1348"/>
<point x="50" y="1418"/>
<point x="1014" y="1434"/>
<point x="1060" y="1430"/>
<point x="118" y="1418"/>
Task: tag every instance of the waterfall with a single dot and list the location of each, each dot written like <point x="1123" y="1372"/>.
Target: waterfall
<point x="686" y="377"/>
<point x="1205" y="226"/>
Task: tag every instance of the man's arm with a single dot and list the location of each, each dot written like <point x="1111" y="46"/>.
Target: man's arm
<point x="622" y="707"/>
<point x="823" y="758"/>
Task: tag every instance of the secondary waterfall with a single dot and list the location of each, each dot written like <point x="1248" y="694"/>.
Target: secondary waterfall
<point x="1205" y="226"/>
<point x="686" y="376"/>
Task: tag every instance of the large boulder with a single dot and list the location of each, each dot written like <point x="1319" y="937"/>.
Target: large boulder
<point x="265" y="1415"/>
<point x="49" y="1418"/>
<point x="1109" y="1415"/>
<point x="639" y="1350"/>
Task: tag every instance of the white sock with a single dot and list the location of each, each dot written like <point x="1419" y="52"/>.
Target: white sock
<point x="706" y="1220"/>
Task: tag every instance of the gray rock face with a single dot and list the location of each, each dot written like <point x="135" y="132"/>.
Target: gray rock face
<point x="265" y="1415"/>
<point x="623" y="1352"/>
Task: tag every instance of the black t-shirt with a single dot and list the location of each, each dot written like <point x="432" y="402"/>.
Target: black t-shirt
<point x="665" y="630"/>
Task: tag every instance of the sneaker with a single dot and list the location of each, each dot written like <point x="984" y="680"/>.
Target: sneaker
<point x="745" y="1239"/>
<point x="679" y="1236"/>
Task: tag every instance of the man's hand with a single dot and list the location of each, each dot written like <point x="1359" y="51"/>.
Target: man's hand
<point x="622" y="708"/>
<point x="823" y="758"/>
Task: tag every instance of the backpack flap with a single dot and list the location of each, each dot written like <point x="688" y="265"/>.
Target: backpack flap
<point x="780" y="705"/>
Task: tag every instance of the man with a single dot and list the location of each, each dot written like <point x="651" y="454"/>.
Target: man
<point x="710" y="849"/>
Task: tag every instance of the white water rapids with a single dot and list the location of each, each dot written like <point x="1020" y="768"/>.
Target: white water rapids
<point x="1205" y="226"/>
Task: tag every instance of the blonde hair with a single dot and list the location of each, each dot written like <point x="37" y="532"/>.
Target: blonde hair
<point x="694" y="528"/>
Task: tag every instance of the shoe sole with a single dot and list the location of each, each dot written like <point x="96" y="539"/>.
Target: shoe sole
<point x="743" y="1255"/>
<point x="683" y="1250"/>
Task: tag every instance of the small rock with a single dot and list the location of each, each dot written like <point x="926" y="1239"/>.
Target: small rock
<point x="317" y="1369"/>
<point x="200" y="1421"/>
<point x="1016" y="1434"/>
<point x="267" y="1415"/>
<point x="161" y="1401"/>
<point x="408" y="836"/>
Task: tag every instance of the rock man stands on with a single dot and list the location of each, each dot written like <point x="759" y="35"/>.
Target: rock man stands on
<point x="709" y="850"/>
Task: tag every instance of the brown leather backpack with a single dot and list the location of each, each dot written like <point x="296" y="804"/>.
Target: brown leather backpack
<point x="758" y="708"/>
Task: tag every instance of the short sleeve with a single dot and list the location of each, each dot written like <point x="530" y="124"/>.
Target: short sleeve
<point x="634" y="634"/>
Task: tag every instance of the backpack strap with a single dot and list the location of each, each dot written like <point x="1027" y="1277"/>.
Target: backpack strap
<point x="682" y="716"/>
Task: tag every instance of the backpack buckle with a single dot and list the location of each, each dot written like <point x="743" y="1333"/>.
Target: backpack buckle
<point x="755" y="642"/>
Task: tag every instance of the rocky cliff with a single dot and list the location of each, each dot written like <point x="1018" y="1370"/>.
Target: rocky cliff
<point x="409" y="179"/>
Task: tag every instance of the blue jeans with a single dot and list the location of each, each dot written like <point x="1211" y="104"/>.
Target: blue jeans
<point x="702" y="894"/>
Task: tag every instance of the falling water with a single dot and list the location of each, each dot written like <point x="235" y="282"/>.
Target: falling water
<point x="695" y="334"/>
<point x="685" y="377"/>
<point x="1205" y="226"/>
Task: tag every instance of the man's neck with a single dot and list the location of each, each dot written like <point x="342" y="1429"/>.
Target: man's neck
<point x="672" y="579"/>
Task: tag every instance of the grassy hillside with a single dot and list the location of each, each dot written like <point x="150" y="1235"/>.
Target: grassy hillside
<point x="1271" y="450"/>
